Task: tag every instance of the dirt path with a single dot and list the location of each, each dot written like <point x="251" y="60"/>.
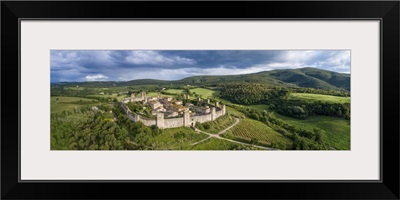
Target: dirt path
<point x="231" y="126"/>
<point x="222" y="138"/>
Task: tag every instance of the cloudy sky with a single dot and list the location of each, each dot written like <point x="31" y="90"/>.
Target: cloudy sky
<point x="124" y="65"/>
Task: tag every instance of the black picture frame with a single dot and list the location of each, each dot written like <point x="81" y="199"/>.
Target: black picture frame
<point x="386" y="11"/>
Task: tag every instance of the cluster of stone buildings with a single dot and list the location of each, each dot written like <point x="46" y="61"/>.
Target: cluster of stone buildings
<point x="172" y="113"/>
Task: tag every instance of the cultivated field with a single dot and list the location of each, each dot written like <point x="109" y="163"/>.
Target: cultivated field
<point x="218" y="125"/>
<point x="249" y="129"/>
<point x="109" y="96"/>
<point x="336" y="129"/>
<point x="205" y="93"/>
<point x="153" y="94"/>
<point x="173" y="91"/>
<point x="60" y="103"/>
<point x="318" y="97"/>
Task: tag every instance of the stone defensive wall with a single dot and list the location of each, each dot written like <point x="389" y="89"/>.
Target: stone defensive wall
<point x="186" y="120"/>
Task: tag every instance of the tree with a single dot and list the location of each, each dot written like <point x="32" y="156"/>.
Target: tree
<point x="319" y="135"/>
<point x="254" y="141"/>
<point x="206" y="126"/>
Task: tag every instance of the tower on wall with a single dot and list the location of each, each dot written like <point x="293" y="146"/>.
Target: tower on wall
<point x="223" y="109"/>
<point x="213" y="113"/>
<point x="216" y="104"/>
<point x="186" y="118"/>
<point x="160" y="120"/>
<point x="137" y="117"/>
<point x="208" y="101"/>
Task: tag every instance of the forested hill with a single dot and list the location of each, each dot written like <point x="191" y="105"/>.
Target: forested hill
<point x="303" y="77"/>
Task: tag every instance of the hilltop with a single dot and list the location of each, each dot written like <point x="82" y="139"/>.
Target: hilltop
<point x="303" y="77"/>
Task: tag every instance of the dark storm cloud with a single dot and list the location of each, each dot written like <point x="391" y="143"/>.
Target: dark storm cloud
<point x="122" y="65"/>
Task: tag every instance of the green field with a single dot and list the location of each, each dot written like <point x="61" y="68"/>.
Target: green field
<point x="259" y="107"/>
<point x="249" y="129"/>
<point x="74" y="88"/>
<point x="175" y="138"/>
<point x="153" y="94"/>
<point x="336" y="129"/>
<point x="205" y="93"/>
<point x="59" y="104"/>
<point x="174" y="91"/>
<point x="214" y="144"/>
<point x="110" y="96"/>
<point x="318" y="97"/>
<point x="218" y="125"/>
<point x="234" y="112"/>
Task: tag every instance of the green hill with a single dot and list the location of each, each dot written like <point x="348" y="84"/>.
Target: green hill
<point x="313" y="78"/>
<point x="303" y="77"/>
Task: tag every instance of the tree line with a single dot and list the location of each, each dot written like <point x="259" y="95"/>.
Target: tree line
<point x="248" y="93"/>
<point x="274" y="98"/>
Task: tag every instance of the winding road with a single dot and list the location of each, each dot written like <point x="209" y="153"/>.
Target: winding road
<point x="210" y="135"/>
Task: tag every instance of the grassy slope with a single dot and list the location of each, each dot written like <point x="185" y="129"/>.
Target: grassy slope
<point x="176" y="138"/>
<point x="69" y="103"/>
<point x="248" y="129"/>
<point x="109" y="96"/>
<point x="336" y="129"/>
<point x="220" y="124"/>
<point x="174" y="91"/>
<point x="153" y="94"/>
<point x="214" y="144"/>
<point x="205" y="93"/>
<point x="318" y="97"/>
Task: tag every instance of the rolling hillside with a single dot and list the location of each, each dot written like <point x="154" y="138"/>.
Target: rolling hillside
<point x="303" y="77"/>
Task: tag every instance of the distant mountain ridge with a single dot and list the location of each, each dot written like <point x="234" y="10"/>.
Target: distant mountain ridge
<point x="302" y="77"/>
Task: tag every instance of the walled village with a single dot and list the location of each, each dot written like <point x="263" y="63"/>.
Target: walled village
<point x="171" y="113"/>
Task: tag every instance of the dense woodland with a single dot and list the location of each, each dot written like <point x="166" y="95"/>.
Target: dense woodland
<point x="248" y="93"/>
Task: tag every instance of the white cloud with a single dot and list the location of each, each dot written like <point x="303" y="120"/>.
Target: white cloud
<point x="154" y="58"/>
<point x="132" y="64"/>
<point x="299" y="56"/>
<point x="97" y="77"/>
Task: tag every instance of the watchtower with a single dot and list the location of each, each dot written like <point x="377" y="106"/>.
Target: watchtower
<point x="160" y="120"/>
<point x="186" y="118"/>
<point x="216" y="104"/>
<point x="198" y="100"/>
<point x="137" y="117"/>
<point x="213" y="113"/>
